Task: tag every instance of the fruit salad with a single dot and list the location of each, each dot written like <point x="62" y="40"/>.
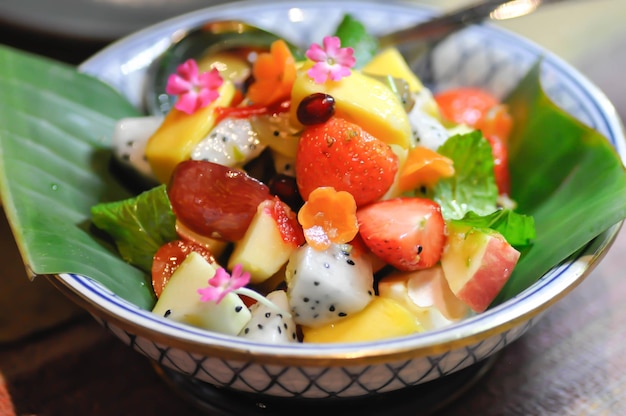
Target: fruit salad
<point x="318" y="197"/>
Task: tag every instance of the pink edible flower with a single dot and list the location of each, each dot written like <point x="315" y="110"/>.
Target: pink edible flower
<point x="195" y="90"/>
<point x="332" y="61"/>
<point x="223" y="283"/>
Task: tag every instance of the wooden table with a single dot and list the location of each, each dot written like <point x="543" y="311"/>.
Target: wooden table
<point x="58" y="361"/>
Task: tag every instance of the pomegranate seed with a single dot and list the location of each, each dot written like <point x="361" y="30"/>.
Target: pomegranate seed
<point x="316" y="109"/>
<point x="285" y="188"/>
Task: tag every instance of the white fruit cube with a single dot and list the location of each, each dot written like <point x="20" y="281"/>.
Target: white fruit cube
<point x="181" y="302"/>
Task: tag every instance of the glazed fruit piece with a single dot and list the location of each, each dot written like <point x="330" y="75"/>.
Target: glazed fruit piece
<point x="214" y="200"/>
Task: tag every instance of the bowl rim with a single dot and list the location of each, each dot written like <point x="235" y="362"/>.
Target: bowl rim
<point x="514" y="312"/>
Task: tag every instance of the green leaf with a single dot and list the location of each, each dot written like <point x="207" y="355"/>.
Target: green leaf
<point x="517" y="229"/>
<point x="353" y="34"/>
<point x="139" y="226"/>
<point x="472" y="187"/>
<point x="565" y="174"/>
<point x="55" y="130"/>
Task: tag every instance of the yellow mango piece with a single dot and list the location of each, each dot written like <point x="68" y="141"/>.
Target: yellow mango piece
<point x="179" y="133"/>
<point x="362" y="100"/>
<point x="382" y="318"/>
<point x="391" y="62"/>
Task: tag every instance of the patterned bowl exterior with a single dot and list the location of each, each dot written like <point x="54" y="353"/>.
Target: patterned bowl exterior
<point x="481" y="56"/>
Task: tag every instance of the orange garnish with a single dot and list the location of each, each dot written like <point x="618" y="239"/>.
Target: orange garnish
<point x="423" y="167"/>
<point x="274" y="74"/>
<point x="328" y="217"/>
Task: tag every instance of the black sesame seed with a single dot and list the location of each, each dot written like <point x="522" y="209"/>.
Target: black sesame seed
<point x="224" y="139"/>
<point x="238" y="308"/>
<point x="342" y="314"/>
<point x="293" y="335"/>
<point x="280" y="331"/>
<point x="268" y="314"/>
<point x="317" y="315"/>
<point x="259" y="326"/>
<point x="332" y="308"/>
<point x="276" y="133"/>
<point x="167" y="313"/>
<point x="305" y="299"/>
<point x="350" y="262"/>
<point x="285" y="325"/>
<point x="316" y="283"/>
<point x="419" y="249"/>
<point x="247" y="330"/>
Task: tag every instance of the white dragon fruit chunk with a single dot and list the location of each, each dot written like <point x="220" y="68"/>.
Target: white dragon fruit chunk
<point x="269" y="324"/>
<point x="427" y="129"/>
<point x="324" y="286"/>
<point x="232" y="142"/>
<point x="129" y="142"/>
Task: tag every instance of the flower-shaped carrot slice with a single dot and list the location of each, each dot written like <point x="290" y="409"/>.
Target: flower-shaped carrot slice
<point x="328" y="217"/>
<point x="274" y="74"/>
<point x="423" y="167"/>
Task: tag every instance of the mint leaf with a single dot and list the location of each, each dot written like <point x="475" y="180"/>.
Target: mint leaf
<point x="473" y="186"/>
<point x="353" y="34"/>
<point x="518" y="229"/>
<point x="139" y="225"/>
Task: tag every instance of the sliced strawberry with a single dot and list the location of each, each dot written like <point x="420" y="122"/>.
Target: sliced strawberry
<point x="342" y="155"/>
<point x="169" y="256"/>
<point x="407" y="233"/>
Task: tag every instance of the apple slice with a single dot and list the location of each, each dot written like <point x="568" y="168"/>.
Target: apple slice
<point x="427" y="294"/>
<point x="477" y="263"/>
<point x="271" y="237"/>
<point x="181" y="302"/>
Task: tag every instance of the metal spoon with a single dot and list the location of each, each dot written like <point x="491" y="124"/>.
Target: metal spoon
<point x="229" y="34"/>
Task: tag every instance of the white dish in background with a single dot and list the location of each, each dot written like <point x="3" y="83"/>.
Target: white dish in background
<point x="102" y="20"/>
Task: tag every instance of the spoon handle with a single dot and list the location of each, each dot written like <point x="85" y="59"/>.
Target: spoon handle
<point x="445" y="24"/>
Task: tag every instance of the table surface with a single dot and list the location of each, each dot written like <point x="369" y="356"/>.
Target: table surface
<point x="58" y="361"/>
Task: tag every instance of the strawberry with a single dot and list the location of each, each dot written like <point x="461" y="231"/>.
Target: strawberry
<point x="408" y="233"/>
<point x="342" y="155"/>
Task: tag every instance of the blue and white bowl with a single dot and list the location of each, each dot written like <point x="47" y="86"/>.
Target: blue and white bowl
<point x="482" y="56"/>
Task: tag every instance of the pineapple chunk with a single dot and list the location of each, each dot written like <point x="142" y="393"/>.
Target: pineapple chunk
<point x="391" y="62"/>
<point x="382" y="318"/>
<point x="362" y="100"/>
<point x="180" y="133"/>
<point x="181" y="302"/>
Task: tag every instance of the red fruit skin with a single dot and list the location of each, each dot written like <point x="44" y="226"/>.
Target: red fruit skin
<point x="407" y="233"/>
<point x="342" y="155"/>
<point x="287" y="223"/>
<point x="214" y="200"/>
<point x="169" y="256"/>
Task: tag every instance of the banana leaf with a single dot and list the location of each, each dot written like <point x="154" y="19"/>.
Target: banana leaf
<point x="55" y="127"/>
<point x="563" y="173"/>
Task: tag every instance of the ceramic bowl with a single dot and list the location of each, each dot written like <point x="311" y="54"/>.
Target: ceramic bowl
<point x="480" y="55"/>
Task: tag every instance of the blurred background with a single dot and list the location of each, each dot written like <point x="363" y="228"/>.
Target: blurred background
<point x="586" y="33"/>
